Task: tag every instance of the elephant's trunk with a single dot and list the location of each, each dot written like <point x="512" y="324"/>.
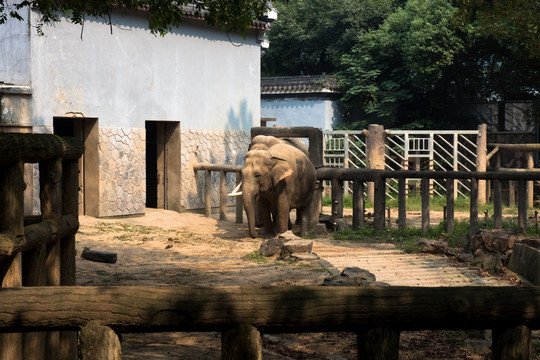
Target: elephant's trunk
<point x="248" y="198"/>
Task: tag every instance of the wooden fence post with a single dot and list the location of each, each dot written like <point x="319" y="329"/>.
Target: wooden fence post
<point x="70" y="206"/>
<point x="379" y="202"/>
<point x="11" y="222"/>
<point x="207" y="193"/>
<point x="98" y="342"/>
<point x="425" y="203"/>
<point x="222" y="195"/>
<point x="358" y="203"/>
<point x="474" y="205"/>
<point x="375" y="151"/>
<point x="378" y="344"/>
<point x="402" y="203"/>
<point x="481" y="160"/>
<point x="242" y="342"/>
<point x="337" y="199"/>
<point x="450" y="220"/>
<point x="522" y="205"/>
<point x="512" y="343"/>
<point x="239" y="205"/>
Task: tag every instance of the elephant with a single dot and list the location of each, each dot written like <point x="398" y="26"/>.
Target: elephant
<point x="276" y="177"/>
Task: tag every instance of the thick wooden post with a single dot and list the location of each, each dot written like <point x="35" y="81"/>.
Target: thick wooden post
<point x="402" y="203"/>
<point x="512" y="343"/>
<point x="375" y="151"/>
<point x="378" y="344"/>
<point x="222" y="195"/>
<point x="481" y="160"/>
<point x="358" y="203"/>
<point x="207" y="193"/>
<point x="425" y="204"/>
<point x="242" y="342"/>
<point x="11" y="222"/>
<point x="239" y="205"/>
<point x="530" y="184"/>
<point x="497" y="204"/>
<point x="450" y="220"/>
<point x="98" y="342"/>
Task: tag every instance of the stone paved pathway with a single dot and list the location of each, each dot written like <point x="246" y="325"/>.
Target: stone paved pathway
<point x="393" y="267"/>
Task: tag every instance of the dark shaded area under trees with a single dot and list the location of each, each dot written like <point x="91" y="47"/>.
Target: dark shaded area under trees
<point x="405" y="63"/>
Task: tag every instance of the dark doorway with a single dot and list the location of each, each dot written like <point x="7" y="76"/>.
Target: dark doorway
<point x="163" y="164"/>
<point x="85" y="129"/>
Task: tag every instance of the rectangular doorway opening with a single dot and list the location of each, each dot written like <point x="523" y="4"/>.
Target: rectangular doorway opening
<point x="163" y="165"/>
<point x="87" y="130"/>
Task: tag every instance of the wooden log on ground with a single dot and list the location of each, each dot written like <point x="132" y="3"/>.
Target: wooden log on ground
<point x="99" y="256"/>
<point x="308" y="308"/>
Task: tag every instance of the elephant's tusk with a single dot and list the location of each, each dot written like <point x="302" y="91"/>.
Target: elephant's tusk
<point x="235" y="192"/>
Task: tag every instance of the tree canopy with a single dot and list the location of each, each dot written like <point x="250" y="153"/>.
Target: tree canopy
<point x="405" y="62"/>
<point x="163" y="15"/>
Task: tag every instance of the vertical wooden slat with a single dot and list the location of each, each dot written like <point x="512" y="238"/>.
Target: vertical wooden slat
<point x="68" y="339"/>
<point x="358" y="203"/>
<point x="379" y="203"/>
<point x="12" y="222"/>
<point x="474" y="205"/>
<point x="222" y="195"/>
<point x="402" y="203"/>
<point x="207" y="193"/>
<point x="522" y="205"/>
<point x="51" y="209"/>
<point x="450" y="219"/>
<point x="239" y="205"/>
<point x="425" y="204"/>
<point x="337" y="199"/>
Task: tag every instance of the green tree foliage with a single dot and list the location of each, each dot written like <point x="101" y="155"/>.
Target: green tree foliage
<point x="310" y="36"/>
<point x="163" y="15"/>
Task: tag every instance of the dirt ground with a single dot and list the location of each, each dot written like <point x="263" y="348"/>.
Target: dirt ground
<point x="166" y="248"/>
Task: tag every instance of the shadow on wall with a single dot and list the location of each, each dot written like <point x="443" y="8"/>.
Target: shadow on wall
<point x="241" y="121"/>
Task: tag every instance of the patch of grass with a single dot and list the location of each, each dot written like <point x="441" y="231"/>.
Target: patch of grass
<point x="312" y="267"/>
<point x="256" y="256"/>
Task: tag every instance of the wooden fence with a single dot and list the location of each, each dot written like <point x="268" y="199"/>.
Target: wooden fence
<point x="42" y="253"/>
<point x="241" y="314"/>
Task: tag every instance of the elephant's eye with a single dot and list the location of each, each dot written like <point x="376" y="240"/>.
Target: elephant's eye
<point x="257" y="175"/>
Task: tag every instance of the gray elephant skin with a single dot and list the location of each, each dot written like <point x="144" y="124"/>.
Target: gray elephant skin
<point x="277" y="177"/>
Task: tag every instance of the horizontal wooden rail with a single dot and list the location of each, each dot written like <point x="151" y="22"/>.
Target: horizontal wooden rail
<point x="35" y="235"/>
<point x="33" y="148"/>
<point x="270" y="309"/>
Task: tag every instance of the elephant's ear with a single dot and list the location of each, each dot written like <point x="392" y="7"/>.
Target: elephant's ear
<point x="280" y="170"/>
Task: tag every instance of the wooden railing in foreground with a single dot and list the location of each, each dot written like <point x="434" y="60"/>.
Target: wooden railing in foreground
<point x="377" y="314"/>
<point x="42" y="253"/>
<point x="378" y="177"/>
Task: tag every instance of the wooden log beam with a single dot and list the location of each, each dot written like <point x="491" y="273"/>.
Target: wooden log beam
<point x="516" y="147"/>
<point x="35" y="235"/>
<point x="307" y="308"/>
<point x="217" y="167"/>
<point x="33" y="148"/>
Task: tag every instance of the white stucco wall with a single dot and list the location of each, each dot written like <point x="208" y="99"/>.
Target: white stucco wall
<point x="194" y="75"/>
<point x="15" y="52"/>
<point x="321" y="113"/>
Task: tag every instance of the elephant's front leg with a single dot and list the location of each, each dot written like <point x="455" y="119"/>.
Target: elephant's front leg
<point x="264" y="210"/>
<point x="282" y="218"/>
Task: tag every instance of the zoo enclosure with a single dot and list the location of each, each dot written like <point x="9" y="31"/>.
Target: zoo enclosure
<point x="41" y="253"/>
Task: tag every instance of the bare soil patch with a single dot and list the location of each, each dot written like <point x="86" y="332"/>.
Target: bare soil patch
<point x="166" y="248"/>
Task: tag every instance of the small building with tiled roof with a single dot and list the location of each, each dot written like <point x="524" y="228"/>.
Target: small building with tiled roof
<point x="301" y="101"/>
